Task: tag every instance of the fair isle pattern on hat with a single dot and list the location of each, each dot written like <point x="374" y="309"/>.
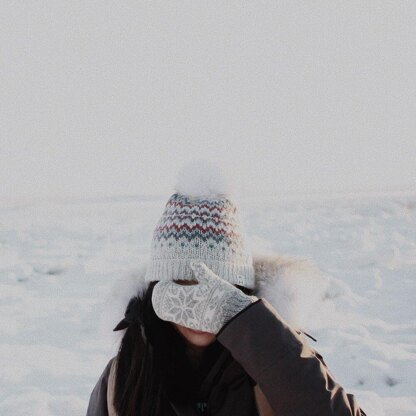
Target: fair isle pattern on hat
<point x="199" y="228"/>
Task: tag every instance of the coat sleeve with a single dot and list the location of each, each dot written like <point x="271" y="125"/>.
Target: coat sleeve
<point x="97" y="405"/>
<point x="292" y="375"/>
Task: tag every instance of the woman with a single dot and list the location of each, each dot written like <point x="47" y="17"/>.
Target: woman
<point x="198" y="340"/>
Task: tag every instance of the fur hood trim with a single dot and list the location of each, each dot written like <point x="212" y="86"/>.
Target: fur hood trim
<point x="294" y="286"/>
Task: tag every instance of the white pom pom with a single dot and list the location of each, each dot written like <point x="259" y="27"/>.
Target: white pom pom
<point x="203" y="178"/>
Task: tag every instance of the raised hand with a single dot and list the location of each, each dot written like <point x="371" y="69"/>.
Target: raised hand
<point x="206" y="306"/>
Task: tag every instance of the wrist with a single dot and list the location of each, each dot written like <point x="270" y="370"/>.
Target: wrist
<point x="236" y="304"/>
<point x="253" y="300"/>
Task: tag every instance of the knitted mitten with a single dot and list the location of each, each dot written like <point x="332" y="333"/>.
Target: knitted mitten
<point x="206" y="306"/>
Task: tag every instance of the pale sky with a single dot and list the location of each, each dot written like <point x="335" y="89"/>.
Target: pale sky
<point x="111" y="98"/>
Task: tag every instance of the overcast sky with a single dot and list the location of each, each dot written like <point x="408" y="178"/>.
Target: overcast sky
<point x="111" y="98"/>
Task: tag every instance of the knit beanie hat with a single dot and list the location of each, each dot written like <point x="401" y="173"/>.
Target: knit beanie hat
<point x="200" y="222"/>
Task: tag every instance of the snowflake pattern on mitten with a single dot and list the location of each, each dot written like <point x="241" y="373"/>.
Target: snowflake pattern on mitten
<point x="206" y="306"/>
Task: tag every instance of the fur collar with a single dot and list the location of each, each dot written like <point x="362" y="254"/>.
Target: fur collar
<point x="294" y="286"/>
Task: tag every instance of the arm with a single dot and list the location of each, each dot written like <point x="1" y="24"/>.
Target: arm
<point x="292" y="375"/>
<point x="98" y="400"/>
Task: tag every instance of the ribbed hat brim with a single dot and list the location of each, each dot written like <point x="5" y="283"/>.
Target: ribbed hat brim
<point x="179" y="269"/>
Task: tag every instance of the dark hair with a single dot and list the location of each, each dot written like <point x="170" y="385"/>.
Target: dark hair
<point x="152" y="365"/>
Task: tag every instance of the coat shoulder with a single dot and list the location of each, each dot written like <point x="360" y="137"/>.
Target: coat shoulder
<point x="97" y="405"/>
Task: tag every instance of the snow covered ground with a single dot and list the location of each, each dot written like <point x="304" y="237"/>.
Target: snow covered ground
<point x="59" y="262"/>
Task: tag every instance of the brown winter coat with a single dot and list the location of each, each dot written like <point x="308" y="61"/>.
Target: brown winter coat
<point x="267" y="368"/>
